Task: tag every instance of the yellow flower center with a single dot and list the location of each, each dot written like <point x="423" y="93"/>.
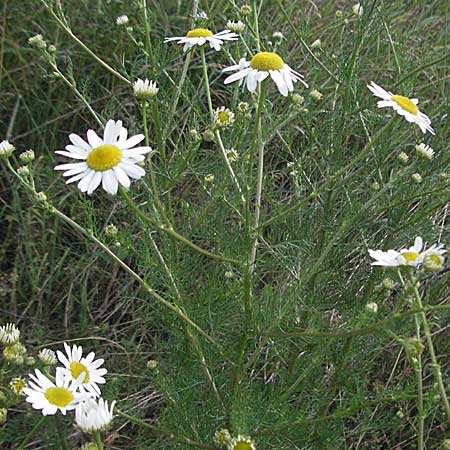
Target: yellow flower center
<point x="199" y="32"/>
<point x="18" y="385"/>
<point x="223" y="116"/>
<point x="437" y="259"/>
<point x="242" y="445"/>
<point x="77" y="368"/>
<point x="104" y="157"/>
<point x="410" y="256"/>
<point x="405" y="103"/>
<point x="58" y="396"/>
<point x="266" y="61"/>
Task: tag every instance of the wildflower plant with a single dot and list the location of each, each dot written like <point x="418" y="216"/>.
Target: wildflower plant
<point x="263" y="264"/>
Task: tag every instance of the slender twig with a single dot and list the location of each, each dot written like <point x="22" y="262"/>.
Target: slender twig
<point x="82" y="44"/>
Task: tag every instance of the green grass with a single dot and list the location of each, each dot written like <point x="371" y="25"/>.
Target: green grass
<point x="312" y="272"/>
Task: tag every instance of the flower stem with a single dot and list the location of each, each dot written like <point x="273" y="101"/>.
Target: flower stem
<point x="62" y="437"/>
<point x="36" y="427"/>
<point x="260" y="176"/>
<point x="435" y="365"/>
<point x="98" y="440"/>
<point x="171" y="232"/>
<point x="159" y="205"/>
<point x="216" y="132"/>
<point x="147" y="35"/>
<point x="418" y="370"/>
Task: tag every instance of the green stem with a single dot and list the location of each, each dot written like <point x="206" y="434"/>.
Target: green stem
<point x="217" y="133"/>
<point x="167" y="433"/>
<point x="360" y="331"/>
<point x="173" y="233"/>
<point x="260" y="176"/>
<point x="62" y="437"/>
<point x="155" y="192"/>
<point x="98" y="440"/>
<point x="81" y="44"/>
<point x="173" y="307"/>
<point x="208" y="91"/>
<point x="36" y="427"/>
<point x="334" y="177"/>
<point x="418" y="370"/>
<point x="178" y="93"/>
<point x="435" y="365"/>
<point x="147" y="35"/>
<point x="158" y="132"/>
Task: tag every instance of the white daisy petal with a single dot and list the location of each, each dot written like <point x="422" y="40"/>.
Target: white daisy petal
<point x="77" y="141"/>
<point x="93" y="139"/>
<point x="132" y="141"/>
<point x="109" y="182"/>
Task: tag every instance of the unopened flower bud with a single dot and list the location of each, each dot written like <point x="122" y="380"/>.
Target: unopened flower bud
<point x="433" y="262"/>
<point x="388" y="284"/>
<point x="417" y="178"/>
<point x="316" y="45"/>
<point x="237" y="27"/>
<point x="37" y="41"/>
<point x="111" y="231"/>
<point x="209" y="178"/>
<point x="372" y="308"/>
<point x="246" y="10"/>
<point x="23" y="171"/>
<point x="6" y="149"/>
<point x="27" y="157"/>
<point x="278" y="36"/>
<point x="298" y="99"/>
<point x="403" y="157"/>
<point x="152" y="364"/>
<point x="208" y="136"/>
<point x="316" y="95"/>
<point x="3" y="415"/>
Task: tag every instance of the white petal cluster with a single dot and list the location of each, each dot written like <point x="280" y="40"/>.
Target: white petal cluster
<point x="94" y="415"/>
<point x="122" y="20"/>
<point x="412" y="256"/>
<point x="425" y="150"/>
<point x="284" y="77"/>
<point x="145" y="89"/>
<point x="9" y="334"/>
<point x="48" y="357"/>
<point x="215" y="41"/>
<point x="237" y="27"/>
<point x="6" y="149"/>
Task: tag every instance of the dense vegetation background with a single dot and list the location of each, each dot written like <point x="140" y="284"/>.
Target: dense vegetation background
<point x="313" y="272"/>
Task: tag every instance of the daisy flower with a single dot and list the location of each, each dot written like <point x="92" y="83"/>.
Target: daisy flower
<point x="241" y="443"/>
<point x="404" y="106"/>
<point x="145" y="89"/>
<point x="94" y="416"/>
<point x="412" y="256"/>
<point x="262" y="65"/>
<point x="6" y="149"/>
<point x="223" y="117"/>
<point x="9" y="334"/>
<point x="109" y="161"/>
<point x="17" y="385"/>
<point x="48" y="357"/>
<point x="49" y="397"/>
<point x="425" y="150"/>
<point x="200" y="36"/>
<point x="75" y="364"/>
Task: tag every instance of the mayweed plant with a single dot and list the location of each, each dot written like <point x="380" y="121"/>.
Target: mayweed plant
<point x="257" y="245"/>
